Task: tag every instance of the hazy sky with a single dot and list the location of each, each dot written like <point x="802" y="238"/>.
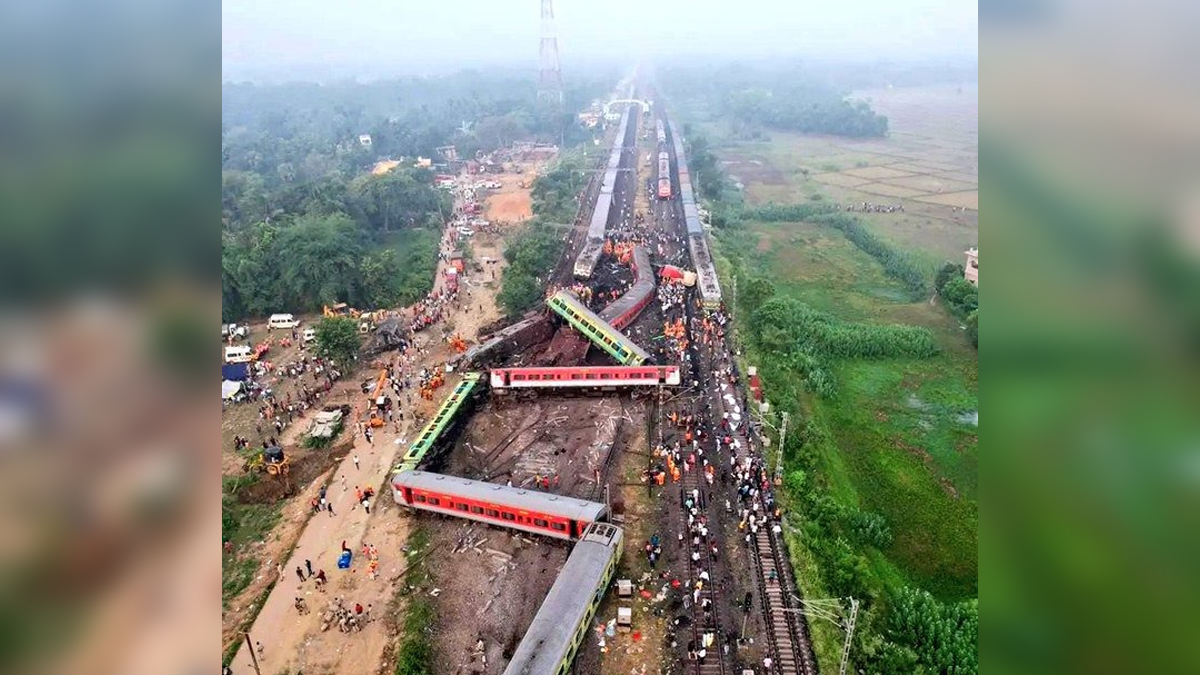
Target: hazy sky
<point x="377" y="37"/>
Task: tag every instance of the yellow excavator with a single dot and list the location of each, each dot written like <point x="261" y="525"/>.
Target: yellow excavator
<point x="271" y="460"/>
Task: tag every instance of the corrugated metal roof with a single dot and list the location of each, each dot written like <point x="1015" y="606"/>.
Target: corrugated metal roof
<point x="515" y="497"/>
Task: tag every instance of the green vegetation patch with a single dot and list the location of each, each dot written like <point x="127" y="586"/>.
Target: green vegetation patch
<point x="415" y="656"/>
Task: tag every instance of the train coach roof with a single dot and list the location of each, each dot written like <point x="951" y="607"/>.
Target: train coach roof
<point x="543" y="647"/>
<point x="515" y="497"/>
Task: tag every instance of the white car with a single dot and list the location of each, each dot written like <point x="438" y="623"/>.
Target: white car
<point x="309" y="335"/>
<point x="466" y="231"/>
<point x="233" y="330"/>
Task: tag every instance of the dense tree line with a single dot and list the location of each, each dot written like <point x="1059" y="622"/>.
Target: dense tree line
<point x="962" y="297"/>
<point x="774" y="97"/>
<point x="299" y="262"/>
<point x="305" y="132"/>
<point x="304" y="223"/>
<point x="706" y="173"/>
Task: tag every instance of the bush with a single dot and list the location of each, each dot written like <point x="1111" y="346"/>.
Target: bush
<point x="946" y="273"/>
<point x="962" y="296"/>
<point x="895" y="263"/>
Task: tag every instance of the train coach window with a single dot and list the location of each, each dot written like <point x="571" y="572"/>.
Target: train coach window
<point x="434" y="500"/>
<point x="605" y="376"/>
<point x="461" y="507"/>
<point x="419" y="498"/>
<point x="576" y="376"/>
<point x="540" y="523"/>
<point x="491" y="512"/>
<point x="558" y="526"/>
<point x="508" y="516"/>
<point x="517" y="376"/>
<point x="476" y="509"/>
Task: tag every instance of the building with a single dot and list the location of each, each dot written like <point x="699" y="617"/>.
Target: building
<point x="971" y="272"/>
<point x="365" y="140"/>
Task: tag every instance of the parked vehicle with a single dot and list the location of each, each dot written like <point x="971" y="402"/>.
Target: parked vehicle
<point x="284" y="321"/>
<point x="235" y="331"/>
<point x="239" y="354"/>
<point x="309" y="335"/>
<point x="466" y="231"/>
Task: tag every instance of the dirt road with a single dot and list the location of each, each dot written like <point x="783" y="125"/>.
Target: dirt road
<point x="294" y="642"/>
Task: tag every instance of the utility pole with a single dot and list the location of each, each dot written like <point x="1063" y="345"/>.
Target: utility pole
<point x="779" y="455"/>
<point x="253" y="656"/>
<point x="849" y="635"/>
<point x="831" y="610"/>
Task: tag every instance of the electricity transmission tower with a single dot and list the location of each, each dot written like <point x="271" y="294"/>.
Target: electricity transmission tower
<point x="550" y="78"/>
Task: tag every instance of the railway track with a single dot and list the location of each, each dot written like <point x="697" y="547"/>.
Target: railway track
<point x="786" y="627"/>
<point x="703" y="622"/>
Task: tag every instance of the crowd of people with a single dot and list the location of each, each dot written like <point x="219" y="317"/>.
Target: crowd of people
<point x="869" y="207"/>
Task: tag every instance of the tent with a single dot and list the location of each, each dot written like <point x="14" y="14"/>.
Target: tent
<point x="235" y="372"/>
<point x="230" y="389"/>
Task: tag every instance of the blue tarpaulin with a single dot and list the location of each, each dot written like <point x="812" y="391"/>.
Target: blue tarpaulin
<point x="235" y="372"/>
<point x="344" y="560"/>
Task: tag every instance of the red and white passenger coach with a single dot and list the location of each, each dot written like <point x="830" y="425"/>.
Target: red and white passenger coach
<point x="583" y="377"/>
<point x="513" y="507"/>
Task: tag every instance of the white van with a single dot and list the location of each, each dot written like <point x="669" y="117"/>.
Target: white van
<point x="284" y="321"/>
<point x="239" y="354"/>
<point x="309" y="335"/>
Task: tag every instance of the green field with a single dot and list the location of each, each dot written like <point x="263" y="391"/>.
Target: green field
<point x="902" y="440"/>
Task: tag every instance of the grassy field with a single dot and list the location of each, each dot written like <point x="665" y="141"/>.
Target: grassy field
<point x="903" y="442"/>
<point x="928" y="162"/>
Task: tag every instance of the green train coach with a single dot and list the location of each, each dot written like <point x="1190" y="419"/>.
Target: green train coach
<point x="445" y="416"/>
<point x="615" y="343"/>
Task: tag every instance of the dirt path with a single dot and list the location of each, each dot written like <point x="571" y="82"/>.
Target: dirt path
<point x="294" y="642"/>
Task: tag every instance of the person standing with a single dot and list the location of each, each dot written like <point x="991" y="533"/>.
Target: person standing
<point x="308" y="564"/>
<point x="329" y="506"/>
<point x="356" y="462"/>
<point x="300" y="573"/>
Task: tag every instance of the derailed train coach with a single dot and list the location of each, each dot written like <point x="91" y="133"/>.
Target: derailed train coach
<point x="565" y="617"/>
<point x="517" y="508"/>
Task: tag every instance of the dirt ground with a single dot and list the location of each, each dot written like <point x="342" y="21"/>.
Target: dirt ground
<point x="295" y="642"/>
<point x="511" y="203"/>
<point x="483" y="597"/>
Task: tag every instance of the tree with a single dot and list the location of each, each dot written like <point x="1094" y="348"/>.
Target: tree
<point x="396" y="199"/>
<point x="962" y="295"/>
<point x="338" y="340"/>
<point x="946" y="273"/>
<point x="973" y="328"/>
<point x="754" y="293"/>
<point x="380" y="275"/>
<point x="518" y="294"/>
<point x="319" y="259"/>
<point x="944" y="637"/>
